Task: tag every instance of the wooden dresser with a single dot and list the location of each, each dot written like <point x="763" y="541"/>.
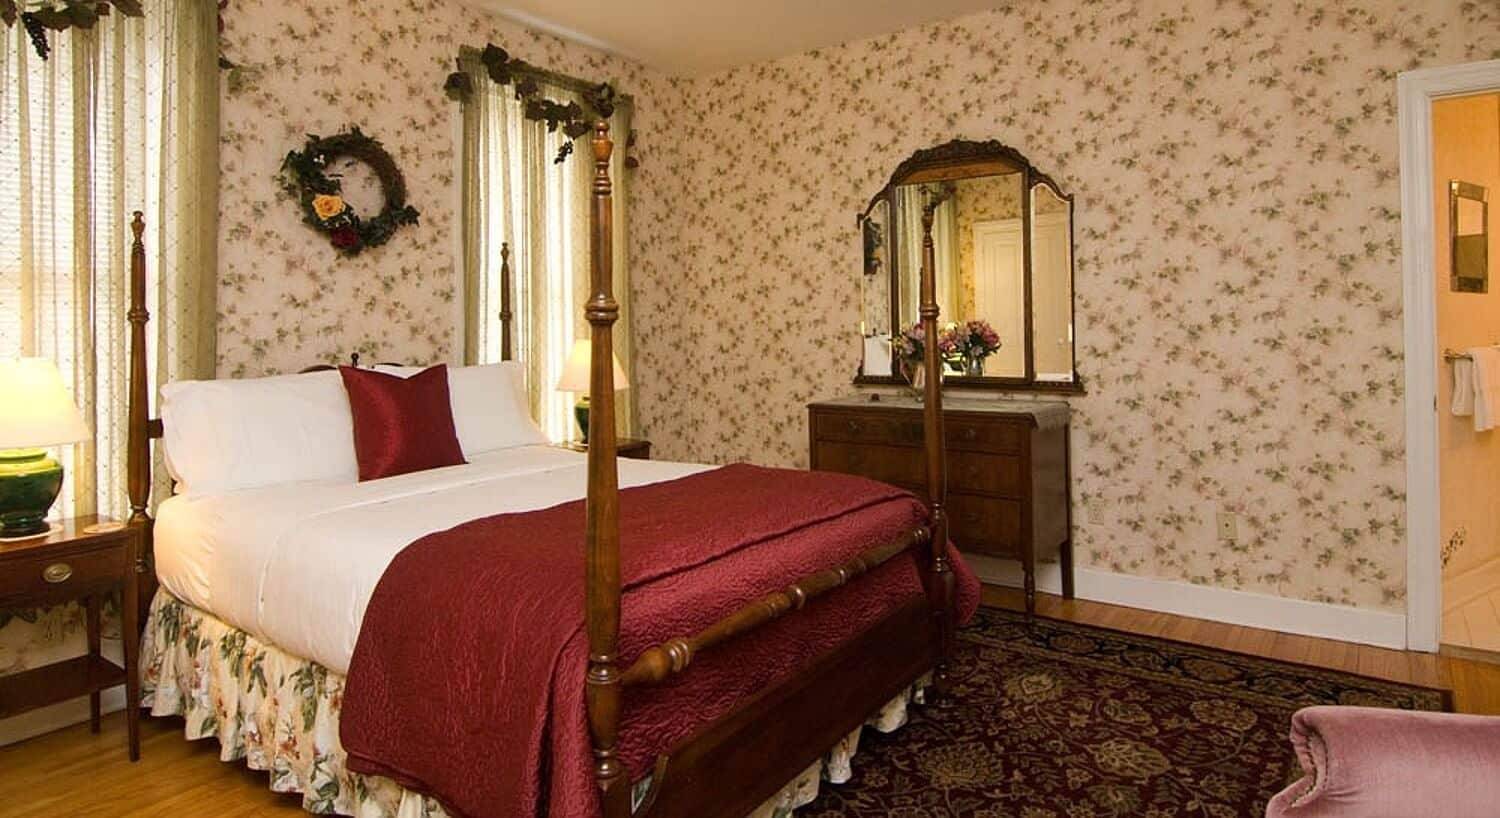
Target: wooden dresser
<point x="1008" y="481"/>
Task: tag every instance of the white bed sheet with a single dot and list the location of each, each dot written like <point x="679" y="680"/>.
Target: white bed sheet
<point x="295" y="564"/>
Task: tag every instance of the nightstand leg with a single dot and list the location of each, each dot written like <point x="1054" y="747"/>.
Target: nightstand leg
<point x="130" y="634"/>
<point x="91" y="621"/>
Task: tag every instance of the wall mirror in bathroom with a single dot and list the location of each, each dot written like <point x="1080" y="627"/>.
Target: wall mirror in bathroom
<point x="1469" y="233"/>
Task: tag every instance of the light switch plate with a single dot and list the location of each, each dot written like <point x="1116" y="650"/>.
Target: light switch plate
<point x="1229" y="526"/>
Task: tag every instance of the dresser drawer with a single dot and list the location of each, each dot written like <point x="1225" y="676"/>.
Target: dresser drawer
<point x="985" y="525"/>
<point x="981" y="435"/>
<point x="977" y="473"/>
<point x="38" y="579"/>
<point x="900" y="465"/>
<point x="869" y="428"/>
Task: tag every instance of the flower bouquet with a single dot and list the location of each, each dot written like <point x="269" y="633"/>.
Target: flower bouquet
<point x="965" y="346"/>
<point x="910" y="349"/>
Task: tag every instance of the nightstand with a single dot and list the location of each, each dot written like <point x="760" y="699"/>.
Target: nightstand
<point x="86" y="559"/>
<point x="632" y="448"/>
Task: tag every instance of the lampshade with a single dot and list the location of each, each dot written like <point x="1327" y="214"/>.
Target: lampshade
<point x="575" y="376"/>
<point x="35" y="408"/>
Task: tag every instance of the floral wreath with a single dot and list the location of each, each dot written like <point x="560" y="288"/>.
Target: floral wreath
<point x="305" y="177"/>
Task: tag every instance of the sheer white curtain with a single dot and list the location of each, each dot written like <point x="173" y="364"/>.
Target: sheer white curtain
<point x="516" y="195"/>
<point x="122" y="117"/>
<point x="910" y="201"/>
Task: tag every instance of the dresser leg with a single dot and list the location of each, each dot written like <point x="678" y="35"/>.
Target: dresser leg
<point x="92" y="614"/>
<point x="1066" y="558"/>
<point x="1028" y="584"/>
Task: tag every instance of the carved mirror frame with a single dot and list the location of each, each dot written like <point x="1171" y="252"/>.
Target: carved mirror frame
<point x="966" y="159"/>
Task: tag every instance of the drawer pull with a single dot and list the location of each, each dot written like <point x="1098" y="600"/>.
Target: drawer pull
<point x="970" y="517"/>
<point x="855" y="427"/>
<point x="970" y="434"/>
<point x="57" y="573"/>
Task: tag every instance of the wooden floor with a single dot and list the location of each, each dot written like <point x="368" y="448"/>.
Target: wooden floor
<point x="72" y="773"/>
<point x="1471" y="610"/>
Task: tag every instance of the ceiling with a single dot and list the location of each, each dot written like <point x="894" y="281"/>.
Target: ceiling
<point x="695" y="37"/>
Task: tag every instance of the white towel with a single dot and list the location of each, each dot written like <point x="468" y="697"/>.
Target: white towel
<point x="1463" y="387"/>
<point x="1486" y="387"/>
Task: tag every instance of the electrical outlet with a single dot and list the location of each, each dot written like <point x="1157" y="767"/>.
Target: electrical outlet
<point x="1229" y="526"/>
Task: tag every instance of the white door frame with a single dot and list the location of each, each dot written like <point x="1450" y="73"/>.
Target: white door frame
<point x="1416" y="90"/>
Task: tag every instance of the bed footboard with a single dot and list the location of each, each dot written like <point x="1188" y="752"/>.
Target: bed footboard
<point x="745" y="757"/>
<point x="735" y="764"/>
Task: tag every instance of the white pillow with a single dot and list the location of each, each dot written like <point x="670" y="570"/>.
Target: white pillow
<point x="490" y="408"/>
<point x="225" y="435"/>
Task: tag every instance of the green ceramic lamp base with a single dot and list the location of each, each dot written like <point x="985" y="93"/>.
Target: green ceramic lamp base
<point x="581" y="414"/>
<point x="29" y="484"/>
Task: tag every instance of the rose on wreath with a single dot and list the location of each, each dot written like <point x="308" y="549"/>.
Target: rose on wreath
<point x="328" y="206"/>
<point x="306" y="178"/>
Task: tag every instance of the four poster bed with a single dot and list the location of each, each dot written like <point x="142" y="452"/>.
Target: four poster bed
<point x="803" y="603"/>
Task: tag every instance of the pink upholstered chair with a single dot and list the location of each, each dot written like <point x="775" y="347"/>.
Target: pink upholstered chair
<point x="1363" y="762"/>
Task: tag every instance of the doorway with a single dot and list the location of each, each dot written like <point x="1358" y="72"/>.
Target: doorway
<point x="1450" y="160"/>
<point x="1466" y="173"/>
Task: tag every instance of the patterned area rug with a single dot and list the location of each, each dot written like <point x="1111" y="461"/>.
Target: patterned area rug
<point x="1056" y="720"/>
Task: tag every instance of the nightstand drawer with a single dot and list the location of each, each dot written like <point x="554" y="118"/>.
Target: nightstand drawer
<point x="36" y="579"/>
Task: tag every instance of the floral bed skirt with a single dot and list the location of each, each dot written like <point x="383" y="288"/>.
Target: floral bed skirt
<point x="280" y="714"/>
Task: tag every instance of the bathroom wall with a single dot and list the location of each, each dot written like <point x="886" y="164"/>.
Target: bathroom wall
<point x="1466" y="147"/>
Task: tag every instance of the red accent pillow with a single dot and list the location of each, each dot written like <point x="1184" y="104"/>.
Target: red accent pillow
<point x="401" y="425"/>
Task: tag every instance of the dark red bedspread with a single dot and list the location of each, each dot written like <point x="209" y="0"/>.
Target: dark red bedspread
<point x="467" y="679"/>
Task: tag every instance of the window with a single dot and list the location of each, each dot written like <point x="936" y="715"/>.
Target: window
<point x="520" y="198"/>
<point x="121" y="117"/>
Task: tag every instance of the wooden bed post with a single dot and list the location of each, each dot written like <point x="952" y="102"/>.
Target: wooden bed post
<point x="138" y="444"/>
<point x="506" y="352"/>
<point x="940" y="581"/>
<point x="604" y="684"/>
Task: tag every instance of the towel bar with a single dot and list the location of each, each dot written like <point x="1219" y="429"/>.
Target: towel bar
<point x="1455" y="355"/>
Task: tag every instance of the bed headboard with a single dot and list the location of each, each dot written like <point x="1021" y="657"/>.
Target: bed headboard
<point x="143" y="428"/>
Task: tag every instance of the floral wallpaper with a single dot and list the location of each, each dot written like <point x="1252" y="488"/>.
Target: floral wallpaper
<point x="286" y="299"/>
<point x="1238" y="260"/>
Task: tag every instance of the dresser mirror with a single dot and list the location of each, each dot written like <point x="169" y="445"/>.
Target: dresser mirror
<point x="1002" y="237"/>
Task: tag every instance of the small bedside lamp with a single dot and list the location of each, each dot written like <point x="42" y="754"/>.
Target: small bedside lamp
<point x="575" y="378"/>
<point x="35" y="412"/>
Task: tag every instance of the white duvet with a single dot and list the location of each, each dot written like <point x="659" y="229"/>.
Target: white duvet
<point x="295" y="564"/>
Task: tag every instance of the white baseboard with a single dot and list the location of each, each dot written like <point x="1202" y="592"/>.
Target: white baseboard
<point x="1273" y="613"/>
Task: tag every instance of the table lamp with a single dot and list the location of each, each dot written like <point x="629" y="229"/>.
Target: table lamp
<point x="575" y="378"/>
<point x="35" y="412"/>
